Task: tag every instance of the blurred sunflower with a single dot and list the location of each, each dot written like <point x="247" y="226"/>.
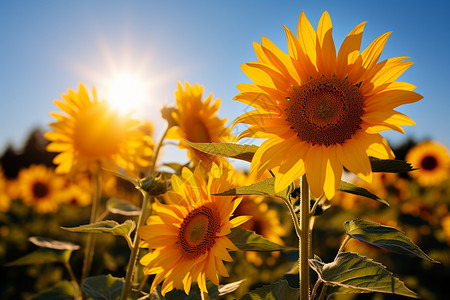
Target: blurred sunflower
<point x="79" y="193"/>
<point x="5" y="201"/>
<point x="196" y="121"/>
<point x="91" y="133"/>
<point x="40" y="188"/>
<point x="432" y="160"/>
<point x="321" y="110"/>
<point x="189" y="238"/>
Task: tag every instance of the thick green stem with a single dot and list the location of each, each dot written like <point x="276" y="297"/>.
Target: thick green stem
<point x="135" y="248"/>
<point x="90" y="243"/>
<point x="304" y="240"/>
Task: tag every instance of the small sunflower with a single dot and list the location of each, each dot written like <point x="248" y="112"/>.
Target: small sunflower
<point x="189" y="238"/>
<point x="79" y="193"/>
<point x="5" y="200"/>
<point x="432" y="160"/>
<point x="196" y="121"/>
<point x="40" y="188"/>
<point x="321" y="110"/>
<point x="92" y="133"/>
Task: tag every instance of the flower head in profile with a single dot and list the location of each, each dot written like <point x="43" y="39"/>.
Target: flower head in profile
<point x="320" y="109"/>
<point x="90" y="133"/>
<point x="432" y="161"/>
<point x="189" y="235"/>
<point x="40" y="188"/>
<point x="196" y="121"/>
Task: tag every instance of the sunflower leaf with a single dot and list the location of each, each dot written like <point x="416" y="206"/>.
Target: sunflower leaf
<point x="389" y="165"/>
<point x="121" y="207"/>
<point x="231" y="150"/>
<point x="107" y="226"/>
<point x="351" y="271"/>
<point x="103" y="287"/>
<point x="385" y="237"/>
<point x="52" y="244"/>
<point x="63" y="290"/>
<point x="274" y="291"/>
<point x="42" y="256"/>
<point x="247" y="240"/>
<point x="350" y="188"/>
<point x="264" y="187"/>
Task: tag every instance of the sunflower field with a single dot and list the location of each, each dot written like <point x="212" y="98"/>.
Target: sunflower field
<point x="326" y="209"/>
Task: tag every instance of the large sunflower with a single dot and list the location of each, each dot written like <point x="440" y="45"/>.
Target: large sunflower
<point x="189" y="238"/>
<point x="432" y="160"/>
<point x="321" y="110"/>
<point x="91" y="133"/>
<point x="40" y="188"/>
<point x="196" y="121"/>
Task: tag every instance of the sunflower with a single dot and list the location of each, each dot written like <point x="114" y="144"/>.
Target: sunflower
<point x="91" y="133"/>
<point x="189" y="238"/>
<point x="196" y="121"/>
<point x="432" y="160"/>
<point x="5" y="200"/>
<point x="40" y="188"/>
<point x="77" y="193"/>
<point x="320" y="110"/>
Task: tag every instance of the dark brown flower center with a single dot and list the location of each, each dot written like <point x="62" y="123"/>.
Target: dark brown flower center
<point x="40" y="190"/>
<point x="198" y="232"/>
<point x="325" y="111"/>
<point x="428" y="163"/>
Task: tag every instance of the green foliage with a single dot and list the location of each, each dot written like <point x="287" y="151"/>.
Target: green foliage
<point x="121" y="207"/>
<point x="274" y="291"/>
<point x="103" y="287"/>
<point x="43" y="256"/>
<point x="264" y="187"/>
<point x="356" y="190"/>
<point x="247" y="240"/>
<point x="353" y="273"/>
<point x="384" y="237"/>
<point x="389" y="165"/>
<point x="108" y="226"/>
<point x="52" y="244"/>
<point x="230" y="150"/>
<point x="63" y="290"/>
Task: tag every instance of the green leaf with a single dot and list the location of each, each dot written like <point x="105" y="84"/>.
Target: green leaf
<point x="264" y="187"/>
<point x="385" y="237"/>
<point x="389" y="165"/>
<point x="108" y="226"/>
<point x="52" y="244"/>
<point x="247" y="240"/>
<point x="231" y="150"/>
<point x="121" y="207"/>
<point x="274" y="291"/>
<point x="63" y="290"/>
<point x="42" y="256"/>
<point x="357" y="190"/>
<point x="352" y="271"/>
<point x="216" y="292"/>
<point x="103" y="287"/>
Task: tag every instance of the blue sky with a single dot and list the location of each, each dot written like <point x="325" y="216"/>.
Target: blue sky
<point x="47" y="47"/>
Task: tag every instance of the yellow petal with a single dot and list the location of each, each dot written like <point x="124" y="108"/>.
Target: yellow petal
<point x="315" y="166"/>
<point x="326" y="51"/>
<point x="349" y="50"/>
<point x="355" y="159"/>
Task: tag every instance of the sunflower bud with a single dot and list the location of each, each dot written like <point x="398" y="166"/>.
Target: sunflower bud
<point x="167" y="113"/>
<point x="154" y="186"/>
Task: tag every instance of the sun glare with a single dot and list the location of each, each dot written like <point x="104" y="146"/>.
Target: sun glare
<point x="127" y="92"/>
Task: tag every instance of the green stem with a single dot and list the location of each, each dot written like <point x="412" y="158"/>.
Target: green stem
<point x="135" y="246"/>
<point x="156" y="154"/>
<point x="344" y="243"/>
<point x="323" y="292"/>
<point x="288" y="203"/>
<point x="90" y="243"/>
<point x="304" y="240"/>
<point x="77" y="292"/>
<point x="316" y="287"/>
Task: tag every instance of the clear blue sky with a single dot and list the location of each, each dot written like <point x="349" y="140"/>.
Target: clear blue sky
<point x="47" y="47"/>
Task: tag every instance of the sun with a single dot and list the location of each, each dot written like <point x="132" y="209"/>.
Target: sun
<point x="126" y="92"/>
